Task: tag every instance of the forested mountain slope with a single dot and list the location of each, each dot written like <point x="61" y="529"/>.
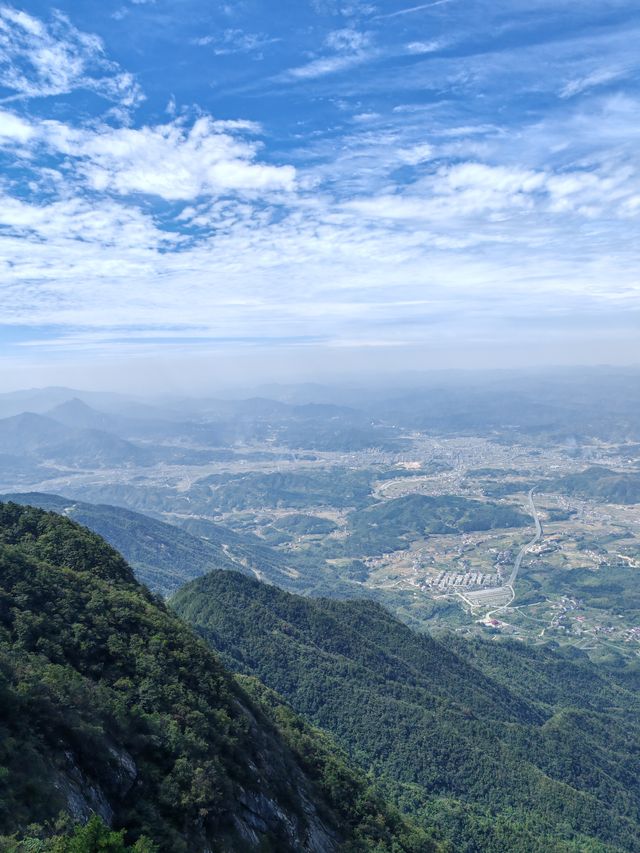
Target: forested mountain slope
<point x="602" y="484"/>
<point x="503" y="747"/>
<point x="164" y="556"/>
<point x="110" y="705"/>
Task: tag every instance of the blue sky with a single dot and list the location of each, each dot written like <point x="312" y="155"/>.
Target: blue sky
<point x="323" y="183"/>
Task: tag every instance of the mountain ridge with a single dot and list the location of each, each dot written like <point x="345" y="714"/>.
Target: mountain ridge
<point x="163" y="556"/>
<point x="112" y="706"/>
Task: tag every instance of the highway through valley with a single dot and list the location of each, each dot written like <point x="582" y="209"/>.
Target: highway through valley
<point x="530" y="544"/>
<point x="504" y="595"/>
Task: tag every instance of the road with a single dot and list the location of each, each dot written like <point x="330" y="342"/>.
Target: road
<point x="525" y="548"/>
<point x="475" y="599"/>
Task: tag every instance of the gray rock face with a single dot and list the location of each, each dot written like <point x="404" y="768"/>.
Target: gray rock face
<point x="83" y="797"/>
<point x="261" y="814"/>
<point x="125" y="770"/>
<point x="257" y="816"/>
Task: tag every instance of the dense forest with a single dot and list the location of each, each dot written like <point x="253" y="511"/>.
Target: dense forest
<point x="110" y="706"/>
<point x="163" y="557"/>
<point x="499" y="746"/>
<point x="389" y="525"/>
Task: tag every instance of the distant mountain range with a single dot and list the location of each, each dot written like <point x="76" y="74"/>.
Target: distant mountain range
<point x="191" y="432"/>
<point x="44" y="439"/>
<point x="42" y="400"/>
<point x="551" y="406"/>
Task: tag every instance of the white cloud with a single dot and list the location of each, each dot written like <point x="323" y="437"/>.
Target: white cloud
<point x="348" y="40"/>
<point x="497" y="221"/>
<point x="173" y="161"/>
<point x="106" y="223"/>
<point x="14" y="129"/>
<point x="326" y="65"/>
<point x="351" y="48"/>
<point x="38" y="60"/>
<point x="420" y="47"/>
<point x="419" y="153"/>
<point x="410" y="10"/>
<point x="357" y="8"/>
<point x="500" y="179"/>
<point x="315" y="271"/>
<point x="364" y="118"/>
<point x="589" y="81"/>
<point x="470" y="190"/>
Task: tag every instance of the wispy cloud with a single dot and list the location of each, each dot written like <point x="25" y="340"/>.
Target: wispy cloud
<point x="351" y="48"/>
<point x="236" y="41"/>
<point x="326" y="65"/>
<point x="40" y="60"/>
<point x="348" y="39"/>
<point x="419" y="47"/>
<point x="589" y="81"/>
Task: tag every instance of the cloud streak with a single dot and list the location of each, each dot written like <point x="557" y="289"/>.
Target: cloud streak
<point x="412" y="10"/>
<point x="590" y="81"/>
<point x="352" y="48"/>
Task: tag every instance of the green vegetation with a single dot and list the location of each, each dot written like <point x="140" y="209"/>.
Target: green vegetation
<point x="329" y="435"/>
<point x="387" y="526"/>
<point x="109" y="705"/>
<point x="300" y="524"/>
<point x="602" y="484"/>
<point x="366" y="819"/>
<point x="424" y="514"/>
<point x="164" y="556"/>
<point x="499" y="488"/>
<point x="289" y="528"/>
<point x="610" y="588"/>
<point x="499" y="746"/>
<point x="92" y="837"/>
<point x="297" y="489"/>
